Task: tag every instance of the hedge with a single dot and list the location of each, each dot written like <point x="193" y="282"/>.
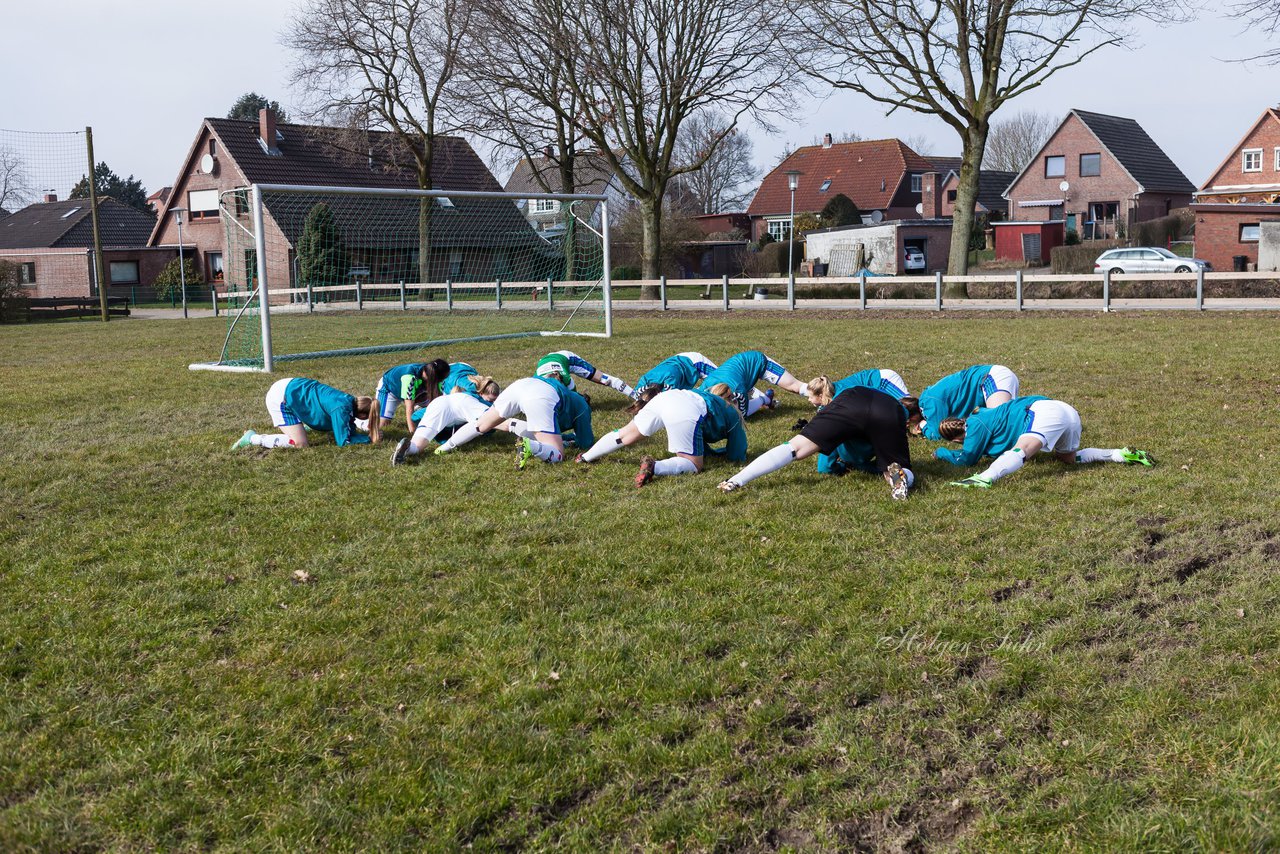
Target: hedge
<point x="1079" y="258"/>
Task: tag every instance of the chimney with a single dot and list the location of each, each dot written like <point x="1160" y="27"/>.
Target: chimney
<point x="267" y="130"/>
<point x="50" y="197"/>
<point x="930" y="196"/>
<point x="826" y="140"/>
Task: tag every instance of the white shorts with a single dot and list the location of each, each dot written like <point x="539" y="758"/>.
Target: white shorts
<point x="535" y="399"/>
<point x="680" y="413"/>
<point x="998" y="379"/>
<point x="387" y="400"/>
<point x="280" y="414"/>
<point x="899" y="389"/>
<point x="701" y="363"/>
<point x="447" y="410"/>
<point x="1056" y="424"/>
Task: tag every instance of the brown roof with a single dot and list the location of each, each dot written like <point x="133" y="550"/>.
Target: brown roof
<point x="868" y="172"/>
<point x="56" y="225"/>
<point x="591" y="174"/>
<point x="333" y="157"/>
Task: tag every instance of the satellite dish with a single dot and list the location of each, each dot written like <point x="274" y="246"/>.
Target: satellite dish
<point x="1064" y="186"/>
<point x="920" y="208"/>
<point x="208" y="164"/>
<point x="877" y="216"/>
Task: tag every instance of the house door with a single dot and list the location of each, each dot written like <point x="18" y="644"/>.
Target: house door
<point x="1031" y="248"/>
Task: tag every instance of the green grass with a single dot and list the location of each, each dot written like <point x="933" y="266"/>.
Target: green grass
<point x="551" y="659"/>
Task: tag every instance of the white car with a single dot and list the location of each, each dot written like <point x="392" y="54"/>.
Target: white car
<point x="913" y="259"/>
<point x="1147" y="259"/>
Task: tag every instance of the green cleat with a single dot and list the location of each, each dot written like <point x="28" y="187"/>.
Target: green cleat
<point x="244" y="441"/>
<point x="524" y="453"/>
<point x="440" y="451"/>
<point x="976" y="480"/>
<point x="1133" y="455"/>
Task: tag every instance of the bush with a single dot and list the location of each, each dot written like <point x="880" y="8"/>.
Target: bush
<point x="841" y="210"/>
<point x="773" y="258"/>
<point x="624" y="273"/>
<point x="1079" y="258"/>
<point x="1162" y="231"/>
<point x="13" y="297"/>
<point x="1073" y="237"/>
<point x="169" y="282"/>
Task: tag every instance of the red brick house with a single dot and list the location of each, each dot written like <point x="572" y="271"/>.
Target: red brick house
<point x="1100" y="174"/>
<point x="232" y="154"/>
<point x="882" y="177"/>
<point x="939" y="188"/>
<point x="1240" y="195"/>
<point x="52" y="244"/>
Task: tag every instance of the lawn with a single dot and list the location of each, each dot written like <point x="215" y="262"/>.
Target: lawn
<point x="551" y="659"/>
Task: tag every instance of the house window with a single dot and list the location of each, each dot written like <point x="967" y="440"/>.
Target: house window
<point x="455" y="264"/>
<point x="779" y="228"/>
<point x="213" y="146"/>
<point x="1055" y="166"/>
<point x="444" y="201"/>
<point x="1278" y="159"/>
<point x="1251" y="160"/>
<point x="1090" y="165"/>
<point x="916" y="183"/>
<point x="203" y="204"/>
<point x="213" y="261"/>
<point x="951" y="196"/>
<point x="1250" y="232"/>
<point x="27" y="273"/>
<point x="545" y="205"/>
<point x="826" y="185"/>
<point x="124" y="272"/>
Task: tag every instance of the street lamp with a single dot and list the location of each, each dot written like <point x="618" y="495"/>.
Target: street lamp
<point x="793" y="181"/>
<point x="182" y="262"/>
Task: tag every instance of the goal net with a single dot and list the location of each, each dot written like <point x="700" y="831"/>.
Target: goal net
<point x="306" y="267"/>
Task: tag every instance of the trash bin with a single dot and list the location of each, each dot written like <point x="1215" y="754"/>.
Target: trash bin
<point x="1240" y="263"/>
<point x="820" y="268"/>
<point x="762" y="293"/>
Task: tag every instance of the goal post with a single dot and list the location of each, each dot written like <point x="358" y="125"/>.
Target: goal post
<point x="437" y="267"/>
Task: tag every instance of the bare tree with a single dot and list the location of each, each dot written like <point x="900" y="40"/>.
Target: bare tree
<point x="15" y="183"/>
<point x="919" y="143"/>
<point x="1261" y="17"/>
<point x="384" y="65"/>
<point x="1015" y="140"/>
<point x="722" y="182"/>
<point x="959" y="60"/>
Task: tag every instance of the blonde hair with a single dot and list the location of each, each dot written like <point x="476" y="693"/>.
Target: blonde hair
<point x="822" y="388"/>
<point x="367" y="407"/>
<point x="482" y="383"/>
<point x="722" y="391"/>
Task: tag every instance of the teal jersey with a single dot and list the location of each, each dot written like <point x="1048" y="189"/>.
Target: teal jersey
<point x="871" y="378"/>
<point x="855" y="454"/>
<point x="323" y="407"/>
<point x="403" y="381"/>
<point x="722" y="424"/>
<point x="740" y="372"/>
<point x="953" y="396"/>
<point x="991" y="432"/>
<point x="572" y="413"/>
<point x="459" y="377"/>
<point x="676" y="372"/>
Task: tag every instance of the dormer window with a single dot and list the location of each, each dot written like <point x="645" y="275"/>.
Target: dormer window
<point x="826" y="185"/>
<point x="70" y="212"/>
<point x="545" y="205"/>
<point x="917" y="183"/>
<point x="444" y="201"/>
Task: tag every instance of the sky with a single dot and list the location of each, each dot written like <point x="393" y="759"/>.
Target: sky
<point x="143" y="73"/>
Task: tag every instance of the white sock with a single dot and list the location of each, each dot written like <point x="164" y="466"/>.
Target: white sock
<point x="615" y="383"/>
<point x="546" y="453"/>
<point x="272" y="440"/>
<point x="675" y="465"/>
<point x="756" y="403"/>
<point x="461" y="436"/>
<point x="606" y="444"/>
<point x="1006" y="463"/>
<point x="520" y="428"/>
<point x="770" y="460"/>
<point x="1099" y="455"/>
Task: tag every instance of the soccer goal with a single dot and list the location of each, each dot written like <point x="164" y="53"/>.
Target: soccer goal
<point x="437" y="266"/>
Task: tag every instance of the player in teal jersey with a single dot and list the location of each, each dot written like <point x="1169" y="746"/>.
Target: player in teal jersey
<point x="694" y="420"/>
<point x="854" y="454"/>
<point x="957" y="395"/>
<point x="683" y="370"/>
<point x="1020" y="429"/>
<point x="415" y="385"/>
<point x="296" y="404"/>
<point x="743" y="370"/>
<point x="466" y="396"/>
<point x="580" y="367"/>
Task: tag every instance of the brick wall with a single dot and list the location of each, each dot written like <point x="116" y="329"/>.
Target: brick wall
<point x="1218" y="232"/>
<point x="58" y="273"/>
<point x="1265" y="135"/>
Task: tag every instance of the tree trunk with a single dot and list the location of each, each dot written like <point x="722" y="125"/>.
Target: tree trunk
<point x="424" y="240"/>
<point x="568" y="184"/>
<point x="651" y="247"/>
<point x="975" y="143"/>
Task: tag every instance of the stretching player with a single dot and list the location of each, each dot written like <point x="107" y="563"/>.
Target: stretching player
<point x="693" y="419"/>
<point x="871" y="423"/>
<point x="465" y="396"/>
<point x="957" y="395"/>
<point x="539" y="398"/>
<point x="1020" y="429"/>
<point x="296" y="404"/>
<point x="742" y="371"/>
<point x="683" y="370"/>
<point x="822" y="391"/>
<point x="580" y="367"/>
<point x="414" y="384"/>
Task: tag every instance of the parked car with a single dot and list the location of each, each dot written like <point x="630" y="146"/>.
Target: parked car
<point x="1147" y="259"/>
<point x="913" y="259"/>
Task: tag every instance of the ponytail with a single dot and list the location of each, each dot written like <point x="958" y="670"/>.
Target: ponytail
<point x="952" y="429"/>
<point x="643" y="396"/>
<point x="822" y="388"/>
<point x="725" y="393"/>
<point x="367" y="407"/>
<point x="481" y="384"/>
<point x="434" y="373"/>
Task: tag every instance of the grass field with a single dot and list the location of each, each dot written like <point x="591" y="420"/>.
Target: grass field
<point x="1077" y="659"/>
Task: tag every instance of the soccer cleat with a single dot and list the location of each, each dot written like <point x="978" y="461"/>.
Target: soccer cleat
<point x="440" y="451"/>
<point x="398" y="455"/>
<point x="769" y="402"/>
<point x="976" y="480"/>
<point x="645" y="474"/>
<point x="728" y="486"/>
<point x="1133" y="455"/>
<point x="524" y="453"/>
<point x="244" y="441"/>
<point x="897" y="482"/>
<point x="579" y="459"/>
